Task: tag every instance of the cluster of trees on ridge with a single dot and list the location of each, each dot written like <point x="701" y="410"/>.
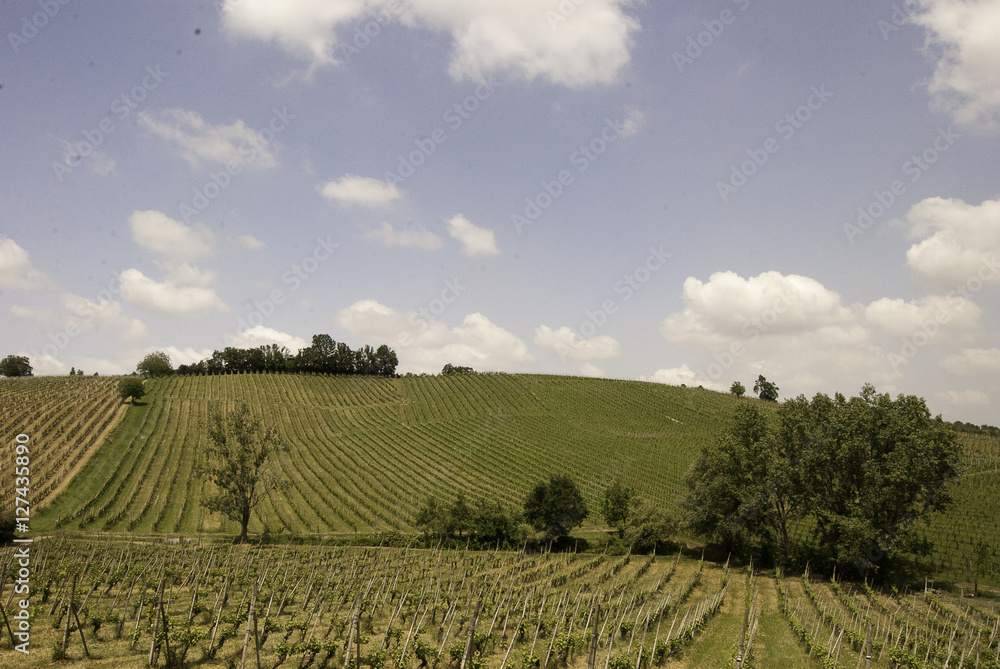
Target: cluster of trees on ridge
<point x="324" y="356"/>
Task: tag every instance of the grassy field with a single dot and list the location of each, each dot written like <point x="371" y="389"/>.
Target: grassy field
<point x="218" y="604"/>
<point x="365" y="452"/>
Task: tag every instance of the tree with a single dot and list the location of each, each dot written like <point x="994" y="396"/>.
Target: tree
<point x="981" y="564"/>
<point x="450" y="369"/>
<point x="650" y="528"/>
<point x="737" y="389"/>
<point x="616" y="504"/>
<point x="741" y="489"/>
<point x="15" y="365"/>
<point x="555" y="506"/>
<point x="432" y="519"/>
<point x="494" y="525"/>
<point x="131" y="388"/>
<point x="765" y="390"/>
<point x="72" y="371"/>
<point x="155" y="364"/>
<point x="460" y="516"/>
<point x="871" y="467"/>
<point x="238" y="457"/>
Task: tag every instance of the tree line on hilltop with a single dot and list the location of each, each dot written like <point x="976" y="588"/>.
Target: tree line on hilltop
<point x="324" y="356"/>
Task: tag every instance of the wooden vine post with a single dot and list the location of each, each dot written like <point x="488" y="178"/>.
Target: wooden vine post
<point x="470" y="645"/>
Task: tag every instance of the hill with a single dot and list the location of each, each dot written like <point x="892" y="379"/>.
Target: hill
<point x="365" y="452"/>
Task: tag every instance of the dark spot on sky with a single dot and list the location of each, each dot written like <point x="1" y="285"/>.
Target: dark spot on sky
<point x="179" y="52"/>
<point x="197" y="31"/>
<point x="91" y="63"/>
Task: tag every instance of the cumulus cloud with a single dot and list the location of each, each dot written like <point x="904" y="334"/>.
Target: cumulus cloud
<point x="249" y="242"/>
<point x="16" y="270"/>
<point x="426" y="346"/>
<point x="260" y="335"/>
<point x="417" y="235"/>
<point x="958" y="242"/>
<point x="941" y="314"/>
<point x="567" y="344"/>
<point x="682" y="376"/>
<point x="633" y="122"/>
<point x="157" y="232"/>
<point x="475" y="241"/>
<point x="104" y="316"/>
<point x="203" y="144"/>
<point x="973" y="361"/>
<point x="961" y="35"/>
<point x="168" y="298"/>
<point x="354" y="191"/>
<point x="569" y="44"/>
<point x="788" y="327"/>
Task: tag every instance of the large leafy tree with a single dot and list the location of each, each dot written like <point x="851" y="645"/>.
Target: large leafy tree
<point x="741" y="490"/>
<point x="239" y="454"/>
<point x="616" y="503"/>
<point x="131" y="388"/>
<point x="650" y="528"/>
<point x="871" y="468"/>
<point x="15" y="365"/>
<point x="555" y="506"/>
<point x="765" y="389"/>
<point x="156" y="363"/>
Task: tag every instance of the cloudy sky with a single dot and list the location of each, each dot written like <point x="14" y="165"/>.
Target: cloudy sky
<point x="680" y="192"/>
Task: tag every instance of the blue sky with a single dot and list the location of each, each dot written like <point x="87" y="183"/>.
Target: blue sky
<point x="681" y="192"/>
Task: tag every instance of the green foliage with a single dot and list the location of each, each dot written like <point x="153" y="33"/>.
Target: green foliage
<point x="155" y="364"/>
<point x="737" y="389"/>
<point x="765" y="390"/>
<point x="15" y="365"/>
<point x="238" y="453"/>
<point x="488" y="523"/>
<point x="616" y="503"/>
<point x="555" y="506"/>
<point x="131" y="388"/>
<point x="449" y="369"/>
<point x="650" y="528"/>
<point x="739" y="489"/>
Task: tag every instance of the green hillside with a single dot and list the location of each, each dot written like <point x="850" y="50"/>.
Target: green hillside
<point x="365" y="452"/>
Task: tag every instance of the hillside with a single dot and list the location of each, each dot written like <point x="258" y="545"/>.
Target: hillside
<point x="365" y="452"/>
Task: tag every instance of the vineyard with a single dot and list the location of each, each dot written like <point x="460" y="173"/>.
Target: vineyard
<point x="365" y="452"/>
<point x="74" y="414"/>
<point x="140" y="603"/>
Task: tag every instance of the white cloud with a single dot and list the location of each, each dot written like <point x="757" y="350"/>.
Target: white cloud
<point x="567" y="344"/>
<point x="250" y="242"/>
<point x="178" y="356"/>
<point x="168" y="298"/>
<point x="103" y="316"/>
<point x="973" y="361"/>
<point x="475" y="241"/>
<point x="426" y="346"/>
<point x="964" y="398"/>
<point x="633" y="122"/>
<point x="934" y="312"/>
<point x="788" y="328"/>
<point x="588" y="369"/>
<point x="574" y="44"/>
<point x="260" y="335"/>
<point x="354" y="191"/>
<point x="962" y="36"/>
<point x="415" y="236"/>
<point x="16" y="270"/>
<point x="200" y="143"/>
<point x="958" y="241"/>
<point x="43" y="316"/>
<point x="682" y="376"/>
<point x="157" y="232"/>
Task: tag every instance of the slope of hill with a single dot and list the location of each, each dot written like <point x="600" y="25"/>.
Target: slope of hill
<point x="365" y="452"/>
